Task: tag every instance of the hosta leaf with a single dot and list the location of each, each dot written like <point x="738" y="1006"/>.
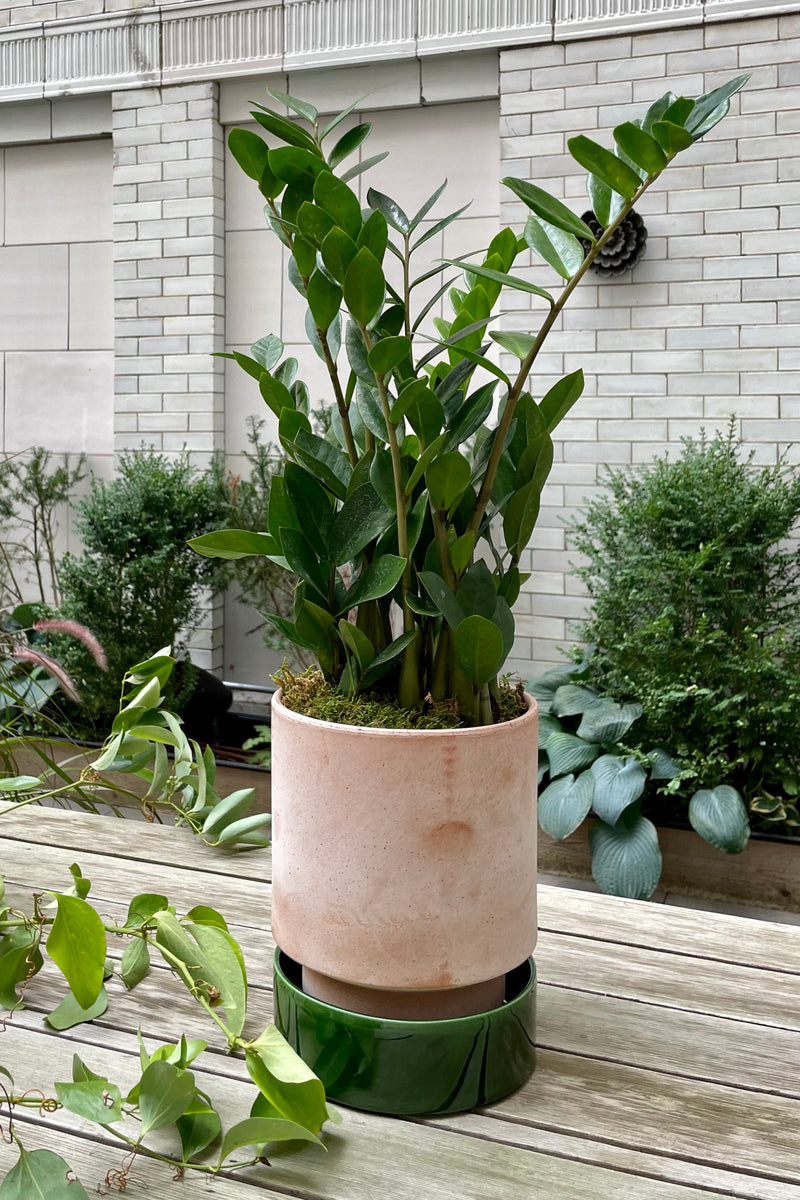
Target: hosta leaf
<point x="664" y="766"/>
<point x="564" y="803"/>
<point x="547" y="726"/>
<point x="626" y="857"/>
<point x="607" y="722"/>
<point x="571" y="699"/>
<point x="618" y="782"/>
<point x="567" y="753"/>
<point x="719" y="815"/>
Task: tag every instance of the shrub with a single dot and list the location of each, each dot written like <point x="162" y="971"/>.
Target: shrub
<point x="697" y="615"/>
<point x="136" y="585"/>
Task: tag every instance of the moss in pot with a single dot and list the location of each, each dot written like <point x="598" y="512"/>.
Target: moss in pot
<point x="404" y="859"/>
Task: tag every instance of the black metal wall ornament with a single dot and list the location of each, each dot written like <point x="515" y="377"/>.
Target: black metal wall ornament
<point x="623" y="250"/>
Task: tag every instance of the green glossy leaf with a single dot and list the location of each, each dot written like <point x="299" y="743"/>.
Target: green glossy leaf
<point x="304" y="110"/>
<point x="225" y="958"/>
<point x="94" y="1099"/>
<point x="518" y="344"/>
<point x="643" y="150"/>
<point x="298" y="168"/>
<point x="250" y="152"/>
<point x="336" y="198"/>
<point x="312" y="507"/>
<point x="548" y="208"/>
<point x="362" y="518"/>
<point x="70" y="1013"/>
<point x="470" y="416"/>
<point x="512" y="281"/>
<point x="719" y="815"/>
<point x="626" y="857"/>
<point x="324" y="299"/>
<point x="519" y="518"/>
<point x="275" y="394"/>
<point x="338" y="251"/>
<point x="560" y="249"/>
<point x="712" y="107"/>
<point x="19" y="783"/>
<point x="382" y="662"/>
<point x="199" y="1127"/>
<point x="77" y="945"/>
<point x="357" y="643"/>
<point x="380" y="577"/>
<point x="260" y="1131"/>
<point x="165" y="1093"/>
<point x="340" y="116"/>
<point x="234" y="543"/>
<point x="555" y="405"/>
<point x="567" y="753"/>
<point x="618" y="782"/>
<point x="606" y="204"/>
<point x="20" y="959"/>
<point x="135" y="962"/>
<point x="447" y="479"/>
<point x="314" y="223"/>
<point x="143" y="907"/>
<point x="443" y="597"/>
<point x="303" y="561"/>
<point x="437" y="228"/>
<point x="461" y="551"/>
<point x="41" y="1175"/>
<point x="658" y="109"/>
<point x="388" y="353"/>
<point x="671" y="138"/>
<point x="287" y="131"/>
<point x="374" y="235"/>
<point x="348" y="143"/>
<point x="424" y="461"/>
<point x="366" y="164"/>
<point x="289" y="1085"/>
<point x="364" y="287"/>
<point x="477" y="592"/>
<point x="565" y="803"/>
<point x="535" y="462"/>
<point x="479" y="647"/>
<point x="390" y="210"/>
<point x="324" y="461"/>
<point x="604" y="165"/>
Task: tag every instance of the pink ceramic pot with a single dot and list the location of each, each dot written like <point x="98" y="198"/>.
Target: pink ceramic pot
<point x="404" y="861"/>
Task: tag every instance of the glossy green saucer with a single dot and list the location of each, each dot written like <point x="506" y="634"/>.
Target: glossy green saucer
<point x="411" y="1068"/>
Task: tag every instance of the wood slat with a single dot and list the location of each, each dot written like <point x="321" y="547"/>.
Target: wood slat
<point x="370" y="1157"/>
<point x="675" y="981"/>
<point x="676" y="930"/>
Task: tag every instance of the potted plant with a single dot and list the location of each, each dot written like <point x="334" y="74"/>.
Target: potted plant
<point x="404" y="858"/>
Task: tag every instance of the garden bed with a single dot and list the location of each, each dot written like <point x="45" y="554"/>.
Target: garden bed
<point x="766" y="874"/>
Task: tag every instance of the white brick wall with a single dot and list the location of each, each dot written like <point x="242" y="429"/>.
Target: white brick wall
<point x="169" y="283"/>
<point x="708" y="323"/>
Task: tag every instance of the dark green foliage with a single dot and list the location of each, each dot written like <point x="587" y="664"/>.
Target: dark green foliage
<point x="136" y="585"/>
<point x="697" y="617"/>
<point x="404" y="500"/>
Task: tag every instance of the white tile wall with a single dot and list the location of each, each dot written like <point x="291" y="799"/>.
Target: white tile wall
<point x="34" y="288"/>
<point x="40" y="408"/>
<point x="57" y="193"/>
<point x="91" y="284"/>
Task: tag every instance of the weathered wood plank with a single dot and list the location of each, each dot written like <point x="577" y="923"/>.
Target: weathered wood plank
<point x="371" y="1157"/>
<point x="644" y="1166"/>
<point x="677" y="930"/>
<point x="675" y="981"/>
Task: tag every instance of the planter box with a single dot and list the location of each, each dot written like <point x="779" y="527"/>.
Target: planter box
<point x="766" y="874"/>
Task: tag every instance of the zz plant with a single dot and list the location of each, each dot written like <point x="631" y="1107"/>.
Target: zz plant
<point x="429" y="490"/>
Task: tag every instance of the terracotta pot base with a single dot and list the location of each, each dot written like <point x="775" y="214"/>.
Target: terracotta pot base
<point x="411" y="1068"/>
<point x="405" y="1005"/>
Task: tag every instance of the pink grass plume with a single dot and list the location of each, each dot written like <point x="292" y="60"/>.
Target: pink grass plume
<point x="74" y="629"/>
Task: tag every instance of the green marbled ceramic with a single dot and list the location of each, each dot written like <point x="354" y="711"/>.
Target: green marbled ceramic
<point x="411" y="1068"/>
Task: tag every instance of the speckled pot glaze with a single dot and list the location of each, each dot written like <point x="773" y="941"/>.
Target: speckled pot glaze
<point x="404" y="859"/>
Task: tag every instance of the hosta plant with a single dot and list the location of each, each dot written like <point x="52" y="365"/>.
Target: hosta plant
<point x="415" y="513"/>
<point x="591" y="765"/>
